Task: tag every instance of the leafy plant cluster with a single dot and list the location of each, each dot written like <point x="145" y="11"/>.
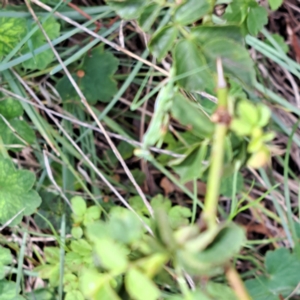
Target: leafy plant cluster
<point x="133" y="255"/>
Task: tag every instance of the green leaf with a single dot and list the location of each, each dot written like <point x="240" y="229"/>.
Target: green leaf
<point x="77" y="232"/>
<point x="282" y="276"/>
<point x="78" y="206"/>
<point x="41" y="294"/>
<point x="42" y="60"/>
<point x="235" y="59"/>
<point x="22" y="129"/>
<point x="179" y="216"/>
<point x="12" y="30"/>
<point x="192" y="66"/>
<point x="112" y="256"/>
<point x="81" y="247"/>
<point x="149" y="16"/>
<point x="191" y="166"/>
<point x="8" y="290"/>
<point x="16" y="193"/>
<point x="97" y="82"/>
<point x="74" y="295"/>
<point x="220" y="291"/>
<point x="127" y="9"/>
<point x="139" y="286"/>
<point x="189" y="115"/>
<point x="92" y="214"/>
<point x="257" y="19"/>
<point x="124" y="226"/>
<point x="191" y="11"/>
<point x="162" y="41"/>
<point x="10" y="108"/>
<point x="5" y="259"/>
<point x="236" y="12"/>
<point x="227" y="185"/>
<point x="210" y="261"/>
<point x="275" y="4"/>
<point x="205" y="33"/>
<point x="161" y="202"/>
<point x="106" y="292"/>
<point x="280" y="41"/>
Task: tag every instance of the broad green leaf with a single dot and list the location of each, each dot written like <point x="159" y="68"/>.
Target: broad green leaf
<point x="92" y="214"/>
<point x="179" y="216"/>
<point x="162" y="41"/>
<point x="236" y="12"/>
<point x="257" y="19"/>
<point x="275" y="4"/>
<point x="77" y="232"/>
<point x="74" y="295"/>
<point x="112" y="256"/>
<point x="210" y="261"/>
<point x="235" y="59"/>
<point x="70" y="282"/>
<point x="189" y="115"/>
<point x="127" y="9"/>
<point x="5" y="256"/>
<point x="78" y="205"/>
<point x="152" y="264"/>
<point x="16" y="193"/>
<point x="41" y="294"/>
<point x="205" y="33"/>
<point x="10" y="108"/>
<point x="191" y="166"/>
<point x="227" y="185"/>
<point x="282" y="276"/>
<point x="82" y="247"/>
<point x="12" y="30"/>
<point x="42" y="60"/>
<point x="8" y="290"/>
<point x="248" y="112"/>
<point x="220" y="291"/>
<point x="192" y="66"/>
<point x="139" y="286"/>
<point x="96" y="82"/>
<point x="5" y="259"/>
<point x="191" y="11"/>
<point x="161" y="202"/>
<point x="22" y="129"/>
<point x="149" y="16"/>
<point x="106" y="292"/>
<point x="240" y="127"/>
<point x="124" y="226"/>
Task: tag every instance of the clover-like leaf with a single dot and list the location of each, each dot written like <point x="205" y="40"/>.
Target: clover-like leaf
<point x="95" y="80"/>
<point x="12" y="30"/>
<point x="10" y="108"/>
<point x="42" y="60"/>
<point x="5" y="259"/>
<point x="16" y="193"/>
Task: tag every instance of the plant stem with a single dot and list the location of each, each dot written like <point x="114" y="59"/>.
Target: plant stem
<point x="221" y="117"/>
<point x="237" y="284"/>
